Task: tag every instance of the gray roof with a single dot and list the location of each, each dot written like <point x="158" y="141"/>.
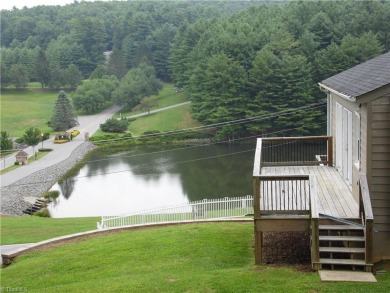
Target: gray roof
<point x="363" y="78"/>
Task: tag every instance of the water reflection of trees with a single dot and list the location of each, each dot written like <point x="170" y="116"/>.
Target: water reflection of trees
<point x="222" y="176"/>
<point x="219" y="176"/>
<point x="67" y="187"/>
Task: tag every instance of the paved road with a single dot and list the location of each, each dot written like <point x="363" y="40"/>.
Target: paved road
<point x="90" y="124"/>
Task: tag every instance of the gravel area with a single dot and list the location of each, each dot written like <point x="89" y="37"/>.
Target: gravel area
<point x="13" y="197"/>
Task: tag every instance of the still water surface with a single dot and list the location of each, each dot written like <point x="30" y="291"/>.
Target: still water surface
<point x="150" y="177"/>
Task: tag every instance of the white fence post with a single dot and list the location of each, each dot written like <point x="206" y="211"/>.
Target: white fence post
<point x="203" y="209"/>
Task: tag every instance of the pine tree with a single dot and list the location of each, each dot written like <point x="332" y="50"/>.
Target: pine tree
<point x="63" y="117"/>
<point x="42" y="68"/>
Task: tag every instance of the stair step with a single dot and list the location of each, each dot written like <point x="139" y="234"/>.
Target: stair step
<point x="341" y="238"/>
<point x="343" y="249"/>
<point x="334" y="261"/>
<point x="340" y="227"/>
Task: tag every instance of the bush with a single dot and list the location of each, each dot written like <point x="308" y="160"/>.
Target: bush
<point x="19" y="140"/>
<point x="44" y="150"/>
<point x="45" y="213"/>
<point x="60" y="140"/>
<point x="115" y="125"/>
<point x="51" y="194"/>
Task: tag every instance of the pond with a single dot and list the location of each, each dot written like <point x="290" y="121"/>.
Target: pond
<point x="151" y="176"/>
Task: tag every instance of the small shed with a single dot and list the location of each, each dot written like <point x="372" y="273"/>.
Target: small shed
<point x="22" y="158"/>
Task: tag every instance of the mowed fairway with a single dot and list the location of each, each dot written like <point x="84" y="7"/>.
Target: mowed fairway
<point x="25" y="108"/>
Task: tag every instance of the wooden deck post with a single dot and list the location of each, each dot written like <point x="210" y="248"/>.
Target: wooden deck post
<point x="256" y="197"/>
<point x="330" y="151"/>
<point x="258" y="246"/>
<point x="315" y="254"/>
<point x="368" y="238"/>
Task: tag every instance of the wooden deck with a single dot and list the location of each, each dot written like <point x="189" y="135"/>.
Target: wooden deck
<point x="334" y="196"/>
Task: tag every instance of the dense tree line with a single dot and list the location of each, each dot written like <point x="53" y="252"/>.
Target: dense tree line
<point x="269" y="59"/>
<point x="80" y="33"/>
<point x="236" y="60"/>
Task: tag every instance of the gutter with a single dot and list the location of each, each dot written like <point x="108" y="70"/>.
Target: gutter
<point x="347" y="97"/>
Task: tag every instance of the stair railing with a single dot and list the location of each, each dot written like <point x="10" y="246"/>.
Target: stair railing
<point x="365" y="210"/>
<point x="314" y="223"/>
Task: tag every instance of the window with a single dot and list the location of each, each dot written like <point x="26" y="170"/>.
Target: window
<point x="357" y="140"/>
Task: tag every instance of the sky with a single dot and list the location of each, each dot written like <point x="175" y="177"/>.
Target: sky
<point x="8" y="4"/>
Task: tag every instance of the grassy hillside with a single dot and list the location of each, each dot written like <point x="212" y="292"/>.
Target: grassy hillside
<point x="190" y="258"/>
<point x="24" y="108"/>
<point x="172" y="119"/>
<point x="34" y="229"/>
<point x="167" y="97"/>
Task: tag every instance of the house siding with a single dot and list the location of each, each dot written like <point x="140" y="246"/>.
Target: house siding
<point x="379" y="174"/>
<point x="374" y="161"/>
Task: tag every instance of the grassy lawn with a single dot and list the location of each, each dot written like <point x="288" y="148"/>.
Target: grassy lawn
<point x="190" y="258"/>
<point x="25" y="108"/>
<point x="172" y="119"/>
<point x="34" y="229"/>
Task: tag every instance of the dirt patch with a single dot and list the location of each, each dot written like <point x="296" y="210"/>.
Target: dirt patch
<point x="287" y="248"/>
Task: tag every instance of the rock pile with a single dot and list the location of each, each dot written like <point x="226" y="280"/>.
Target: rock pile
<point x="12" y="197"/>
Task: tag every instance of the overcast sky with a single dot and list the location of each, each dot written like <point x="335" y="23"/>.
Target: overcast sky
<point x="8" y="4"/>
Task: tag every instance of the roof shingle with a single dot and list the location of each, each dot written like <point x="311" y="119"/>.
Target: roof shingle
<point x="363" y="78"/>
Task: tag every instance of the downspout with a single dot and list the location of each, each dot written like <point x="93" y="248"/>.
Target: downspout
<point x="328" y="106"/>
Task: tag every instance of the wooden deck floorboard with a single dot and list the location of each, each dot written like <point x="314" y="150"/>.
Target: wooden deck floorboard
<point x="334" y="196"/>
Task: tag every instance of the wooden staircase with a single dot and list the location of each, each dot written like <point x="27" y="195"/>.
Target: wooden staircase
<point x="342" y="247"/>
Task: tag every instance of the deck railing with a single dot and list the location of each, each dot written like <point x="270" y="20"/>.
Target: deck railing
<point x="288" y="194"/>
<point x="192" y="211"/>
<point x="297" y="151"/>
<point x="365" y="211"/>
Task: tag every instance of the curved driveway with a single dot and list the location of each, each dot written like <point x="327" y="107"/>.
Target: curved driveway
<point x="90" y="124"/>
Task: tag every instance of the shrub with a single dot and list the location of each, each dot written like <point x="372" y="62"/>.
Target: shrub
<point x="19" y="140"/>
<point x="44" y="150"/>
<point x="115" y="125"/>
<point x="51" y="194"/>
<point x="45" y="213"/>
<point x="60" y="140"/>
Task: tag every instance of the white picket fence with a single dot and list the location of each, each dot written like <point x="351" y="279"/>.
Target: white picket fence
<point x="191" y="211"/>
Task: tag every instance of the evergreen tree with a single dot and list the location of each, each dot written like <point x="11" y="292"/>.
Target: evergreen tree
<point x="99" y="72"/>
<point x="42" y="69"/>
<point x="217" y="93"/>
<point x="116" y="64"/>
<point x="63" y="117"/>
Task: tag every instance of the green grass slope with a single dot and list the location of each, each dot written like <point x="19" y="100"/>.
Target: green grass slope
<point x="190" y="258"/>
<point x="27" y="229"/>
<point x="25" y="108"/>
